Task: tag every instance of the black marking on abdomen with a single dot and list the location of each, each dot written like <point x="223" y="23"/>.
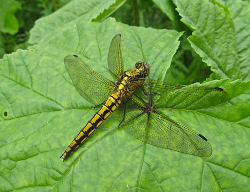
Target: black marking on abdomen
<point x="116" y="101"/>
<point x="102" y="115"/>
<point x="89" y="130"/>
<point x="74" y="147"/>
<point x="78" y="141"/>
<point x="94" y="124"/>
<point x="111" y="106"/>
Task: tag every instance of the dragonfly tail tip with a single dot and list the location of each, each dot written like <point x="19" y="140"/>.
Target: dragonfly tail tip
<point x="63" y="157"/>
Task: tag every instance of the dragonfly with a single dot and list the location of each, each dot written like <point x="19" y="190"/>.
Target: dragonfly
<point x="143" y="100"/>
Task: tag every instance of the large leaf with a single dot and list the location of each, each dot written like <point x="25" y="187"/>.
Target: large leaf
<point x="213" y="37"/>
<point x="221" y="34"/>
<point x="41" y="112"/>
<point x="241" y="18"/>
<point x="73" y="12"/>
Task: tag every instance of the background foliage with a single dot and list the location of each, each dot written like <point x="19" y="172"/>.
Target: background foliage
<point x="40" y="111"/>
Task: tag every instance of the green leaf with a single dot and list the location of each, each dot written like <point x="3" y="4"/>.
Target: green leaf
<point x="167" y="7"/>
<point x="8" y="21"/>
<point x="109" y="11"/>
<point x="73" y="12"/>
<point x="240" y="12"/>
<point x="41" y="112"/>
<point x="214" y="36"/>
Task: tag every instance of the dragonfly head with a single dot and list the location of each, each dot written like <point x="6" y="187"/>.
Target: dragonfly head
<point x="143" y="68"/>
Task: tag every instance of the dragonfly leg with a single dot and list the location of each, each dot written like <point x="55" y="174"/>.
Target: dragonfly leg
<point x="146" y="93"/>
<point x="123" y="118"/>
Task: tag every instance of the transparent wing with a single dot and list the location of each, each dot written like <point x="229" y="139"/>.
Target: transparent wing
<point x="161" y="131"/>
<point x="92" y="86"/>
<point x="185" y="97"/>
<point x="115" y="63"/>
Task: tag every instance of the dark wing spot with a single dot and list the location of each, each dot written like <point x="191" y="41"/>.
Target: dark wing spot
<point x="219" y="89"/>
<point x="204" y="138"/>
<point x="5" y="113"/>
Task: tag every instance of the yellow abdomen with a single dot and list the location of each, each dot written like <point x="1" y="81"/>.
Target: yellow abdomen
<point x="107" y="108"/>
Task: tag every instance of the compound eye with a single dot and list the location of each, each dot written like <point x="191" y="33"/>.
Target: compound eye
<point x="138" y="64"/>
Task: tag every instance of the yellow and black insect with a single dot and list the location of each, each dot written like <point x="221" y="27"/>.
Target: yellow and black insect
<point x="143" y="119"/>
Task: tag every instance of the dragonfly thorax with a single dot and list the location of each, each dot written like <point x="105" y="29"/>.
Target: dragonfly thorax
<point x="142" y="68"/>
<point x="130" y="80"/>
